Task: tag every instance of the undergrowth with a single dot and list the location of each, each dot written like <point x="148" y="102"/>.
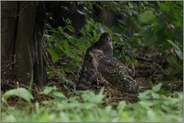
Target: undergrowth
<point x="85" y="106"/>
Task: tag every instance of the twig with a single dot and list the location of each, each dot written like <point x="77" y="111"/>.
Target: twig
<point x="153" y="74"/>
<point x="167" y="74"/>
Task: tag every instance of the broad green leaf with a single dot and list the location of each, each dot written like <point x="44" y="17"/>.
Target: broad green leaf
<point x="145" y="95"/>
<point x="155" y="95"/>
<point x="151" y="115"/>
<point x="91" y="97"/>
<point x="122" y="105"/>
<point x="53" y="54"/>
<point x="65" y="48"/>
<point x="59" y="95"/>
<point x="20" y="92"/>
<point x="10" y="118"/>
<point x="48" y="90"/>
<point x="157" y="87"/>
<point x="165" y="7"/>
<point x="65" y="45"/>
<point x="147" y="17"/>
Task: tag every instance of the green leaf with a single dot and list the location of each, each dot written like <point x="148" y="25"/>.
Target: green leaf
<point x="59" y="95"/>
<point x="89" y="96"/>
<point x="179" y="53"/>
<point x="177" y="49"/>
<point x="67" y="50"/>
<point x="65" y="45"/>
<point x="151" y="115"/>
<point x="70" y="54"/>
<point x="164" y="7"/>
<point x="53" y="54"/>
<point x="157" y="87"/>
<point x="145" y="95"/>
<point x="173" y="44"/>
<point x="70" y="28"/>
<point x="60" y="29"/>
<point x="147" y="17"/>
<point x="155" y="95"/>
<point x="20" y="92"/>
<point x="47" y="90"/>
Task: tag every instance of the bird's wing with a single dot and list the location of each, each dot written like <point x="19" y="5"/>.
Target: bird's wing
<point x="117" y="73"/>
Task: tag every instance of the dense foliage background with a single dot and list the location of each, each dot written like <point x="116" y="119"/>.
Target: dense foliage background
<point x="147" y="37"/>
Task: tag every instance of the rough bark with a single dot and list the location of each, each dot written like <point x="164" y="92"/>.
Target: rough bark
<point x="22" y="55"/>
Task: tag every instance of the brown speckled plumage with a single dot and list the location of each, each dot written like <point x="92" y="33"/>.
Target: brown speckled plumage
<point x="115" y="72"/>
<point x="88" y="73"/>
<point x="99" y="65"/>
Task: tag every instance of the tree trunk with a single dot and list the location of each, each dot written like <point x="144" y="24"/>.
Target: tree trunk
<point x="22" y="52"/>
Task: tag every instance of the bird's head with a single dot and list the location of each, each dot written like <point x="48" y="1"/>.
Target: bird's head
<point x="106" y="38"/>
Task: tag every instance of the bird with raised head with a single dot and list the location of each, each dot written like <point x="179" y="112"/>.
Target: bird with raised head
<point x="116" y="74"/>
<point x="88" y="73"/>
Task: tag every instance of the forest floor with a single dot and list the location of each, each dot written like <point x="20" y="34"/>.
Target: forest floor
<point x="150" y="71"/>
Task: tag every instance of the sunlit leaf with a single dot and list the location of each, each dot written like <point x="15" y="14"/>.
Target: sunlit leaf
<point x="48" y="90"/>
<point x="151" y="115"/>
<point x="147" y="17"/>
<point x="20" y="92"/>
<point x="58" y="94"/>
<point x="145" y="95"/>
<point x="173" y="44"/>
<point x="179" y="53"/>
<point x="155" y="95"/>
<point x="157" y="87"/>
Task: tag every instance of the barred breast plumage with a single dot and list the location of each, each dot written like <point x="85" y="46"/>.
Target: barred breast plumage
<point x="115" y="72"/>
<point x="88" y="73"/>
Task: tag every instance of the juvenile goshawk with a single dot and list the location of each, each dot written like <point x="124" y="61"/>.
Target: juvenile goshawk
<point x="115" y="73"/>
<point x="88" y="73"/>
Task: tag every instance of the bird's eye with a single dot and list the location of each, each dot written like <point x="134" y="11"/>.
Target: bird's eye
<point x="108" y="39"/>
